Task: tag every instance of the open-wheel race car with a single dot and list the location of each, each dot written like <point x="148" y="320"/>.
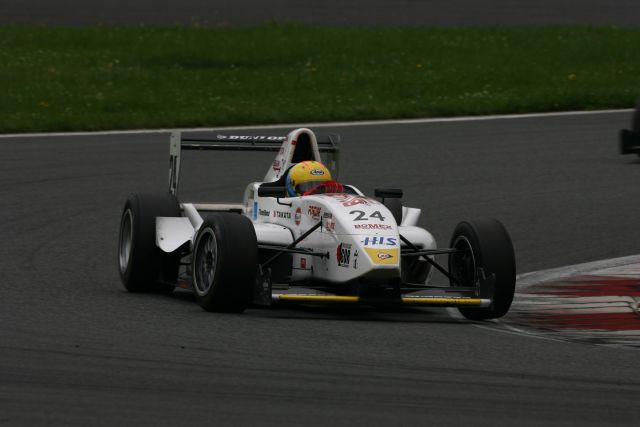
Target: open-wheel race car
<point x="324" y="242"/>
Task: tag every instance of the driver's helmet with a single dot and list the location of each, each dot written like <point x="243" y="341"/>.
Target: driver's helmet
<point x="305" y="176"/>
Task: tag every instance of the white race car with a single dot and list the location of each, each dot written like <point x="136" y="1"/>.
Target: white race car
<point x="343" y="248"/>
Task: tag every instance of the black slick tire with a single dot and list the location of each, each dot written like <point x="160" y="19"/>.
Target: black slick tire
<point x="143" y="266"/>
<point x="489" y="250"/>
<point x="224" y="263"/>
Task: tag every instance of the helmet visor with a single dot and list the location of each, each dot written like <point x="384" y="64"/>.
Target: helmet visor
<point x="303" y="187"/>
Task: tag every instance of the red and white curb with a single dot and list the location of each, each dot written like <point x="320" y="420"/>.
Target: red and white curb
<point x="595" y="303"/>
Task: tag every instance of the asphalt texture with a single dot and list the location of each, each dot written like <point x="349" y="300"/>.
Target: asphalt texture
<point x="77" y="349"/>
<point x="329" y="12"/>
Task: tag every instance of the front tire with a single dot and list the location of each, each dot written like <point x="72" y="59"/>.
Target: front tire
<point x="143" y="266"/>
<point x="488" y="250"/>
<point x="224" y="263"/>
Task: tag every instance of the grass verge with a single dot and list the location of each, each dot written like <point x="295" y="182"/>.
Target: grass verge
<point x="60" y="79"/>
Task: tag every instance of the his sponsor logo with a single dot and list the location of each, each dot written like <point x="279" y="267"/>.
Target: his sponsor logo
<point x="281" y="214"/>
<point x="355" y="259"/>
<point x="254" y="211"/>
<point x="380" y="240"/>
<point x="343" y="254"/>
<point x="351" y="200"/>
<point x="314" y="211"/>
<point x="373" y="226"/>
<point x="251" y="137"/>
<point x="264" y="212"/>
<point x="329" y="225"/>
<point x="316" y="172"/>
<point x="383" y="256"/>
<point x="327" y="215"/>
<point x="276" y="165"/>
<point x="298" y="216"/>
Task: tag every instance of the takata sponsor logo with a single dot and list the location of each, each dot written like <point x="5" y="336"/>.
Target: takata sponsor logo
<point x="314" y="211"/>
<point x="343" y="254"/>
<point x="348" y="200"/>
<point x="373" y="226"/>
<point x="281" y="214"/>
<point x="383" y="256"/>
<point x="298" y="216"/>
<point x="251" y="137"/>
<point x="316" y="172"/>
<point x="380" y="240"/>
<point x="264" y="212"/>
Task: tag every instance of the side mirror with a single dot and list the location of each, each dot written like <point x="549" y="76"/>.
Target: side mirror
<point x="388" y="193"/>
<point x="265" y="191"/>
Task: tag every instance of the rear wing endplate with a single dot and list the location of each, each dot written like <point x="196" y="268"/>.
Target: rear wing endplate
<point x="179" y="142"/>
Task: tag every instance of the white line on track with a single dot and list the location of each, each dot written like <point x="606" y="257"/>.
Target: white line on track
<point x="328" y="124"/>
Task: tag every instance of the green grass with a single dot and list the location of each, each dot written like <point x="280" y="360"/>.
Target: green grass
<point x="55" y="79"/>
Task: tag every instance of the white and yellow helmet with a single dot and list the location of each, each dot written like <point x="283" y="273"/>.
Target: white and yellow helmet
<point x="306" y="175"/>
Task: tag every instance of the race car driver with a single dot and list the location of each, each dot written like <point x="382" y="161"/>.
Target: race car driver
<point x="310" y="177"/>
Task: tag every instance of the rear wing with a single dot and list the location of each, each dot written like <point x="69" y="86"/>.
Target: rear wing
<point x="328" y="149"/>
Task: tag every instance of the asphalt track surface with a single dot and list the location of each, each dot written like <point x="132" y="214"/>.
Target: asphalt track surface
<point x="76" y="349"/>
<point x="329" y="12"/>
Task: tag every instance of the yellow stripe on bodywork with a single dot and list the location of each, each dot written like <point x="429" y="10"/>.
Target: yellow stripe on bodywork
<point x="446" y="301"/>
<point x="317" y="298"/>
<point x="383" y="256"/>
<point x="432" y="301"/>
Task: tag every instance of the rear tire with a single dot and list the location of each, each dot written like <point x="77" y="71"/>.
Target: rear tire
<point x="143" y="266"/>
<point x="490" y="250"/>
<point x="224" y="263"/>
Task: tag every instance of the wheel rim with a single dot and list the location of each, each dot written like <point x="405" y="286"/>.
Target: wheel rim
<point x="206" y="258"/>
<point x="126" y="240"/>
<point x="462" y="265"/>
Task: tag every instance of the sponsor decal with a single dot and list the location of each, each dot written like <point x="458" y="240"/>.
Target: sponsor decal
<point x="303" y="263"/>
<point x="293" y="142"/>
<point x="343" y="254"/>
<point x="380" y="240"/>
<point x="330" y="225"/>
<point x="356" y="201"/>
<point x="276" y="165"/>
<point x="383" y="256"/>
<point x="254" y="211"/>
<point x="314" y="211"/>
<point x="327" y="215"/>
<point x="351" y="200"/>
<point x="373" y="226"/>
<point x="281" y="150"/>
<point x="251" y="137"/>
<point x="264" y="212"/>
<point x="298" y="216"/>
<point x="316" y="172"/>
<point x="355" y="259"/>
<point x="282" y="214"/>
